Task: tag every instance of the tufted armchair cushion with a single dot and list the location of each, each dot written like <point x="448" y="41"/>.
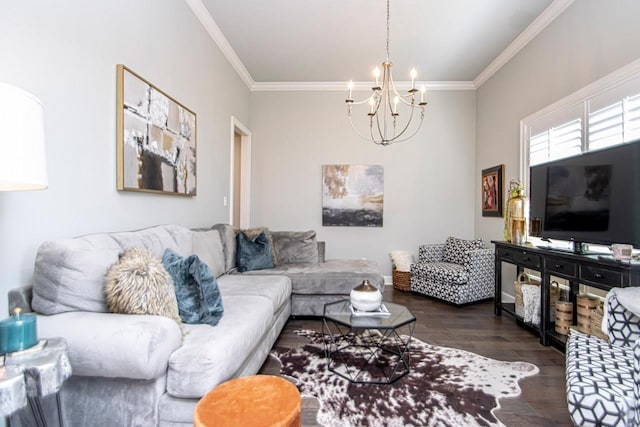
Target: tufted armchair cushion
<point x="457" y="250"/>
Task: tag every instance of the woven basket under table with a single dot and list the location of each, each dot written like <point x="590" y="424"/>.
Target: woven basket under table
<point x="401" y="280"/>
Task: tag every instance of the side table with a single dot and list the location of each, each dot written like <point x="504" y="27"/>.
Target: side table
<point x="42" y="373"/>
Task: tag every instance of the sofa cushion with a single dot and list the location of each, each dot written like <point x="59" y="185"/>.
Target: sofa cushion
<point x="115" y="345"/>
<point x="294" y="247"/>
<point x="456" y="250"/>
<point x="229" y="244"/>
<point x="277" y="289"/>
<point x="335" y="276"/>
<point x="211" y="355"/>
<point x="139" y="284"/>
<point x="197" y="292"/>
<point x="208" y="246"/>
<point x="69" y="273"/>
<point x="253" y="254"/>
<point x="441" y="272"/>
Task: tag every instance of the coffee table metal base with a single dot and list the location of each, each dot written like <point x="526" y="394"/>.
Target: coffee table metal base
<point x="367" y="355"/>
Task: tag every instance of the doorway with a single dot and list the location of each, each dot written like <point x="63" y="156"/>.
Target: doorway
<point x="240" y="175"/>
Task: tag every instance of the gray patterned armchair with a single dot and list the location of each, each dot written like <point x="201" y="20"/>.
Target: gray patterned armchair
<point x="603" y="378"/>
<point x="458" y="271"/>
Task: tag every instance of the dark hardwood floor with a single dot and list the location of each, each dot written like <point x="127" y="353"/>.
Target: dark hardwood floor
<point x="476" y="329"/>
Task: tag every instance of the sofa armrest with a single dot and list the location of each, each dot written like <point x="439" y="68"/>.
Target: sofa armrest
<point x="21" y="297"/>
<point x="623" y="326"/>
<point x="431" y="252"/>
<point x="114" y="345"/>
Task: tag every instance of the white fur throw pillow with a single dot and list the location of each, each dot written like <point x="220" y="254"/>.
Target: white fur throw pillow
<point x="139" y="284"/>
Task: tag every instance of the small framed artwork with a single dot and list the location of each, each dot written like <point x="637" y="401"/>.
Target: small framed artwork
<point x="156" y="139"/>
<point x="492" y="187"/>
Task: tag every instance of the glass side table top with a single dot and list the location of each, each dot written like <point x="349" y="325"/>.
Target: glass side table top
<point x="340" y="312"/>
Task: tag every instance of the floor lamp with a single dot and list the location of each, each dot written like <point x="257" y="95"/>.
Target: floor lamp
<point x="22" y="154"/>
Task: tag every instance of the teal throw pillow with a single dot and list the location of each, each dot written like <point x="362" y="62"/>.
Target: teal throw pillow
<point x="197" y="292"/>
<point x="253" y="254"/>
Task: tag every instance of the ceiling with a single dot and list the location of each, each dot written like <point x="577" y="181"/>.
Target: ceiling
<point x="301" y="41"/>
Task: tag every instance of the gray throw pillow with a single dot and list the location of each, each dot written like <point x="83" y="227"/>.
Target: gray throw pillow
<point x="139" y="284"/>
<point x="457" y="250"/>
<point x="253" y="254"/>
<point x="296" y="246"/>
<point x="197" y="292"/>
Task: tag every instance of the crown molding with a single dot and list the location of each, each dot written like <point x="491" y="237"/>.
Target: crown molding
<point x="214" y="31"/>
<point x="540" y="23"/>
<point x="342" y="86"/>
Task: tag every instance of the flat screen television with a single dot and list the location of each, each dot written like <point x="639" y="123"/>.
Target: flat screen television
<point x="590" y="198"/>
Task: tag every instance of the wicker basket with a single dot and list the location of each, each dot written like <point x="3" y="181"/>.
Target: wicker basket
<point x="564" y="317"/>
<point x="401" y="279"/>
<point x="595" y="322"/>
<point x="585" y="303"/>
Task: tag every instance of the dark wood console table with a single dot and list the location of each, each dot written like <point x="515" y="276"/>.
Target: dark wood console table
<point x="602" y="272"/>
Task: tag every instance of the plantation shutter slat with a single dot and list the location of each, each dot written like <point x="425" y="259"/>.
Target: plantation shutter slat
<point x="606" y="126"/>
<point x="632" y="118"/>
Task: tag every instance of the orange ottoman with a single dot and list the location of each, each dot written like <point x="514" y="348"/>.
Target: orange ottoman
<point x="255" y="401"/>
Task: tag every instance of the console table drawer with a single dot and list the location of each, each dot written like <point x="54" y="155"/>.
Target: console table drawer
<point x="528" y="260"/>
<point x="507" y="255"/>
<point x="602" y="276"/>
<point x="561" y="266"/>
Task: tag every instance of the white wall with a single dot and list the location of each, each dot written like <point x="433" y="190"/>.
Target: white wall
<point x="589" y="40"/>
<point x="66" y="53"/>
<point x="429" y="181"/>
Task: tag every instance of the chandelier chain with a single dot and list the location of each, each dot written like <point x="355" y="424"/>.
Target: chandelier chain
<point x="388" y="31"/>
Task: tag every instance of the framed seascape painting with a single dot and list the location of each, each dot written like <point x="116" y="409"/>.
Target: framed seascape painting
<point x="156" y="139"/>
<point x="352" y="195"/>
<point x="492" y="190"/>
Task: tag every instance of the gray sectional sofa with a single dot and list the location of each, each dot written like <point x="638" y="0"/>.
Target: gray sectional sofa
<point x="142" y="370"/>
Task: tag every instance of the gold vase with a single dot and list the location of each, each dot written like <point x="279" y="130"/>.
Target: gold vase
<point x="518" y="218"/>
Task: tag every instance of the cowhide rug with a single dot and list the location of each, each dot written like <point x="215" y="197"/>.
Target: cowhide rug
<point x="446" y="387"/>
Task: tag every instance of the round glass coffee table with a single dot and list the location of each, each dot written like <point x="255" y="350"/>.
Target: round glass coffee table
<point x="369" y="348"/>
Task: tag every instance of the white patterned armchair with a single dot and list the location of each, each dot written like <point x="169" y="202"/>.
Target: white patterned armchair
<point x="603" y="378"/>
<point x="458" y="271"/>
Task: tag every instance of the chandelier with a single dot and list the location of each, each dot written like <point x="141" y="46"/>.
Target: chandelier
<point x="384" y="114"/>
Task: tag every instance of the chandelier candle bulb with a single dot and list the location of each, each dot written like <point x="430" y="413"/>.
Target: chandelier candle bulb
<point x="395" y="105"/>
<point x="422" y="91"/>
<point x="414" y="73"/>
<point x="376" y="73"/>
<point x="350" y="88"/>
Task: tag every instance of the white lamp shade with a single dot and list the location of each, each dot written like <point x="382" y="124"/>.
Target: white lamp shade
<point x="22" y="154"/>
